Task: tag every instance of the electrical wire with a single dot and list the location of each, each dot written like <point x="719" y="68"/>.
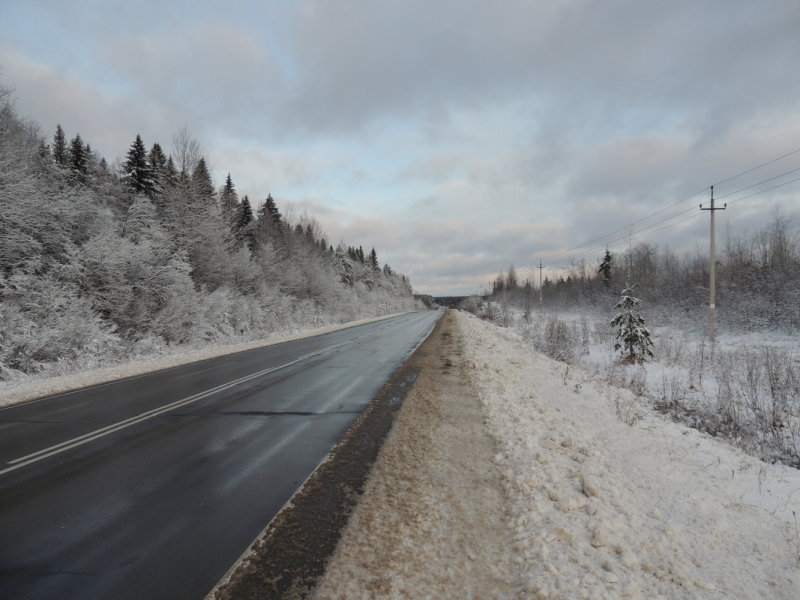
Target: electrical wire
<point x="682" y="201"/>
<point x="642" y="232"/>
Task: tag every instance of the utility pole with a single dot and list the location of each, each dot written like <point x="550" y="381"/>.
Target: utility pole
<point x="540" y="267"/>
<point x="713" y="265"/>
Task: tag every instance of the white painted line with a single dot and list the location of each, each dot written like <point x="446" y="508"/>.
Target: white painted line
<point x="88" y="437"/>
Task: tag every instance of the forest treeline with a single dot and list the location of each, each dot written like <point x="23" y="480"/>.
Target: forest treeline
<point x="104" y="262"/>
<point x="758" y="281"/>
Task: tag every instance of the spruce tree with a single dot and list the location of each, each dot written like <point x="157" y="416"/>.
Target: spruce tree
<point x="228" y="198"/>
<point x="245" y="213"/>
<point x="632" y="336"/>
<point x="169" y="177"/>
<point x="605" y="267"/>
<point x="60" y="147"/>
<point x="202" y="187"/>
<point x="137" y="172"/>
<point x="157" y="158"/>
<point x="77" y="158"/>
<point x="44" y="149"/>
<point x="269" y="213"/>
<point x="373" y="260"/>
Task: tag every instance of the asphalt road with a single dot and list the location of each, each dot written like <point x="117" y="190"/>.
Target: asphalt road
<point x="152" y="487"/>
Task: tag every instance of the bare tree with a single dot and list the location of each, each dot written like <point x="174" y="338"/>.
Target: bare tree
<point x="186" y="151"/>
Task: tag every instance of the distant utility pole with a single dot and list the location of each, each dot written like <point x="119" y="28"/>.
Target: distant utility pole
<point x="540" y="267"/>
<point x="713" y="264"/>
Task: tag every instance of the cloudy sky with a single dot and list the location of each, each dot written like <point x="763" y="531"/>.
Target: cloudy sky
<point x="456" y="137"/>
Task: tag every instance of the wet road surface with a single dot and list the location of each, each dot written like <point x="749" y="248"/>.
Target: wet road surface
<point x="154" y="486"/>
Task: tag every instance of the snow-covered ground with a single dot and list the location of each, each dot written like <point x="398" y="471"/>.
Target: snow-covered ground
<point x="33" y="387"/>
<point x="746" y="387"/>
<point x="602" y="509"/>
<point x="592" y="507"/>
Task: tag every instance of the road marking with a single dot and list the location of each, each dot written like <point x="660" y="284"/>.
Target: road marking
<point x="88" y="437"/>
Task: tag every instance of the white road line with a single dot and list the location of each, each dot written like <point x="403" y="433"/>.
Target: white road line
<point x="88" y="437"/>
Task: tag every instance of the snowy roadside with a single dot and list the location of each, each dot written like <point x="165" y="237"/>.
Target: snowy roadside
<point x="32" y="390"/>
<point x="600" y="509"/>
<point x="431" y="521"/>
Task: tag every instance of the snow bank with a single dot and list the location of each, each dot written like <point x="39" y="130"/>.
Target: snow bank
<point x="601" y="509"/>
<point x="31" y="390"/>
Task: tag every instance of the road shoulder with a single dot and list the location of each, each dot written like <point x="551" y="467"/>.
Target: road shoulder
<point x="432" y="518"/>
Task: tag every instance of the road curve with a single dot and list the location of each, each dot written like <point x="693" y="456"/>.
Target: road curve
<point x="153" y="486"/>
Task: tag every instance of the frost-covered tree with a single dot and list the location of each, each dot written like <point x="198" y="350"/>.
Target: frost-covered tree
<point x="633" y="338"/>
<point x="99" y="272"/>
<point x="136" y="170"/>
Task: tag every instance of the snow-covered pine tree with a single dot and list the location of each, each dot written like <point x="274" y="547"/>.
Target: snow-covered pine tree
<point x="136" y="169"/>
<point x="605" y="267"/>
<point x="632" y="336"/>
<point x="60" y="147"/>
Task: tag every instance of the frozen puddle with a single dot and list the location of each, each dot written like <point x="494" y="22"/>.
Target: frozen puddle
<point x="600" y="509"/>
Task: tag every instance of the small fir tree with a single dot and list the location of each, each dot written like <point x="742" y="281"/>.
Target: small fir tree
<point x="632" y="336"/>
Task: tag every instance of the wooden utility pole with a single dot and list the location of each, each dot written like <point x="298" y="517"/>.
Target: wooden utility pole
<point x="540" y="267"/>
<point x="713" y="266"/>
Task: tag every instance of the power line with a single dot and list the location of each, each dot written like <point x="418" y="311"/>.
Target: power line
<point x="762" y="191"/>
<point x="759" y="183"/>
<point x="684" y="200"/>
<point x="759" y="166"/>
<point x="642" y="232"/>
